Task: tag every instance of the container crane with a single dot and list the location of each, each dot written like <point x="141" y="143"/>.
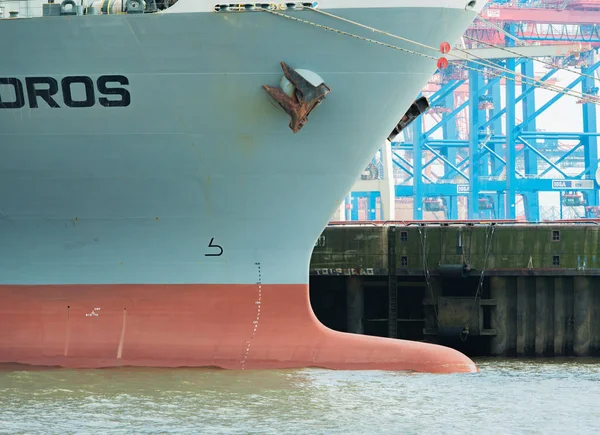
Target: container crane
<point x="488" y="162"/>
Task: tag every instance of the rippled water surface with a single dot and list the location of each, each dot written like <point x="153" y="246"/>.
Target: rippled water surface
<point x="506" y="397"/>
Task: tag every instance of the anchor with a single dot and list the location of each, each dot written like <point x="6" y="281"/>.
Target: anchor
<point x="305" y="97"/>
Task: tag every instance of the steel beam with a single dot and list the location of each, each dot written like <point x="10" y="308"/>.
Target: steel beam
<point x="538" y="15"/>
<point x="590" y="143"/>
<point x="528" y="51"/>
<point x="418" y="170"/>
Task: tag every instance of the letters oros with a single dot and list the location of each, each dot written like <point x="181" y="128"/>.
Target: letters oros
<point x="36" y="92"/>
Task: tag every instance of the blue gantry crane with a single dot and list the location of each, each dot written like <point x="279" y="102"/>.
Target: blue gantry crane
<point x="484" y="153"/>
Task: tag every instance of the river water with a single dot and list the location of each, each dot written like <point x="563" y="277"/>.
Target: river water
<point x="506" y="397"/>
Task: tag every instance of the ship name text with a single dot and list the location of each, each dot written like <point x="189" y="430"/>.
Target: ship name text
<point x="70" y="91"/>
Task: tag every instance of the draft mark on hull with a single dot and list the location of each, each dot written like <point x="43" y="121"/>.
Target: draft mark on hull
<point x="258" y="303"/>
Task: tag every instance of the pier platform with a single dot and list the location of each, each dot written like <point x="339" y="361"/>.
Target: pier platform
<point x="487" y="288"/>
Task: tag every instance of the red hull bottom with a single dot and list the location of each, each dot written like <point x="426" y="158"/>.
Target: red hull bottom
<point x="227" y="326"/>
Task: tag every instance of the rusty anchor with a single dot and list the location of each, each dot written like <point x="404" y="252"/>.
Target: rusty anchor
<point x="304" y="99"/>
<point x="420" y="106"/>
